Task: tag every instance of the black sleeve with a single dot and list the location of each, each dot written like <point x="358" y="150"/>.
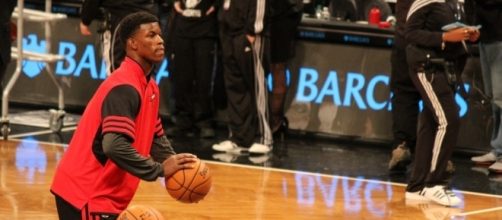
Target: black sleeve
<point x="416" y="33"/>
<point x="119" y="111"/>
<point x="119" y="149"/>
<point x="90" y="10"/>
<point x="161" y="149"/>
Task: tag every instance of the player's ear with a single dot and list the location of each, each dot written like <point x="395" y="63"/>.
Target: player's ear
<point x="132" y="43"/>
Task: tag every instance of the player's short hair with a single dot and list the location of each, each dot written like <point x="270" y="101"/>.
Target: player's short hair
<point x="130" y="24"/>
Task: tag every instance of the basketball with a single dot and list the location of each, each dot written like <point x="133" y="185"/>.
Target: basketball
<point x="140" y="212"/>
<point x="190" y="185"/>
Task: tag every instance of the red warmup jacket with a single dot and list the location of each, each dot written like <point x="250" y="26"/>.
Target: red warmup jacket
<point x="80" y="179"/>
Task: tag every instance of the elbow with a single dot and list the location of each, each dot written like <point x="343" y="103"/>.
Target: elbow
<point x="108" y="151"/>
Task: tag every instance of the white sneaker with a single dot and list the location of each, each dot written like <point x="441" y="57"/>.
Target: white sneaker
<point x="227" y="146"/>
<point x="487" y="158"/>
<point x="417" y="196"/>
<point x="259" y="149"/>
<point x="441" y="195"/>
<point x="496" y="167"/>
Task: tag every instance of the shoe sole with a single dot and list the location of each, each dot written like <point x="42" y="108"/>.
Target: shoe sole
<point x="480" y="163"/>
<point x="495" y="171"/>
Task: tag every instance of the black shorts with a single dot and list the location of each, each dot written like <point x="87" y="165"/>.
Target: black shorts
<point x="282" y="38"/>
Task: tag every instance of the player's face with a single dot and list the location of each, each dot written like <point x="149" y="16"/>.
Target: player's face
<point x="150" y="42"/>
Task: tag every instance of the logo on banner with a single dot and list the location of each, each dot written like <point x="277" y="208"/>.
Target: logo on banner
<point x="31" y="43"/>
<point x="79" y="59"/>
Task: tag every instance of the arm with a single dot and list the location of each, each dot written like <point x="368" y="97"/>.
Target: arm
<point x="118" y="148"/>
<point x="161" y="149"/>
<point x="119" y="110"/>
<point x="415" y="34"/>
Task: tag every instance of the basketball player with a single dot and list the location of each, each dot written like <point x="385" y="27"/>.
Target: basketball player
<point x="120" y="138"/>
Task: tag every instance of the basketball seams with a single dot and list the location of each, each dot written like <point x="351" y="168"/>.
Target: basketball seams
<point x="140" y="212"/>
<point x="180" y="184"/>
<point x="154" y="213"/>
<point x="191" y="181"/>
<point x="195" y="187"/>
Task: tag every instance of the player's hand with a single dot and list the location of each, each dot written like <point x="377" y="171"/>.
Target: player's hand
<point x="178" y="162"/>
<point x="474" y="35"/>
<point x="457" y="35"/>
<point x="84" y="29"/>
<point x="210" y="10"/>
<point x="250" y="38"/>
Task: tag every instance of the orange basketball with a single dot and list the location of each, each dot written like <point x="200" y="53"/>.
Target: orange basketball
<point x="140" y="212"/>
<point x="190" y="185"/>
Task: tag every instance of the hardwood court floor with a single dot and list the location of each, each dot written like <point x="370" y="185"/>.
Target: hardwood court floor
<point x="238" y="192"/>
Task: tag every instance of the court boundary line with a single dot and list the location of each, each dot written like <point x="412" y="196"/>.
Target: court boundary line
<point x="476" y="212"/>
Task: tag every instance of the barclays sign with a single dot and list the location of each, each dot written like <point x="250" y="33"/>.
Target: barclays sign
<point x="76" y="62"/>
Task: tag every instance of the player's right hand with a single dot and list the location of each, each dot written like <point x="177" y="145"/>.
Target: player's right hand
<point x="177" y="162"/>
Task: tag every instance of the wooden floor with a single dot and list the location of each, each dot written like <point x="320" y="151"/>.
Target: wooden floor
<point x="238" y="192"/>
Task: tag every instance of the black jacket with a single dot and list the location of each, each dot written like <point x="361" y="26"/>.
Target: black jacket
<point x="423" y="28"/>
<point x="243" y="16"/>
<point x="117" y="8"/>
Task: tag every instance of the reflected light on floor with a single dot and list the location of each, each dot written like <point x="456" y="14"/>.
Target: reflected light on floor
<point x="30" y="159"/>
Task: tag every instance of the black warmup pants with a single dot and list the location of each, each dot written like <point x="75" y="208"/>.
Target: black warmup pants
<point x="437" y="130"/>
<point x="239" y="76"/>
<point x="193" y="77"/>
<point x="404" y="100"/>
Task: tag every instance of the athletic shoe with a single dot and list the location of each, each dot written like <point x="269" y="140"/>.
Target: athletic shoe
<point x="417" y="196"/>
<point x="228" y="147"/>
<point x="487" y="158"/>
<point x="441" y="195"/>
<point x="401" y="158"/>
<point x="496" y="167"/>
<point x="259" y="149"/>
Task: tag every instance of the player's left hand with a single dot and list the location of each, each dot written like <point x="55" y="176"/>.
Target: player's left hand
<point x="177" y="162"/>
